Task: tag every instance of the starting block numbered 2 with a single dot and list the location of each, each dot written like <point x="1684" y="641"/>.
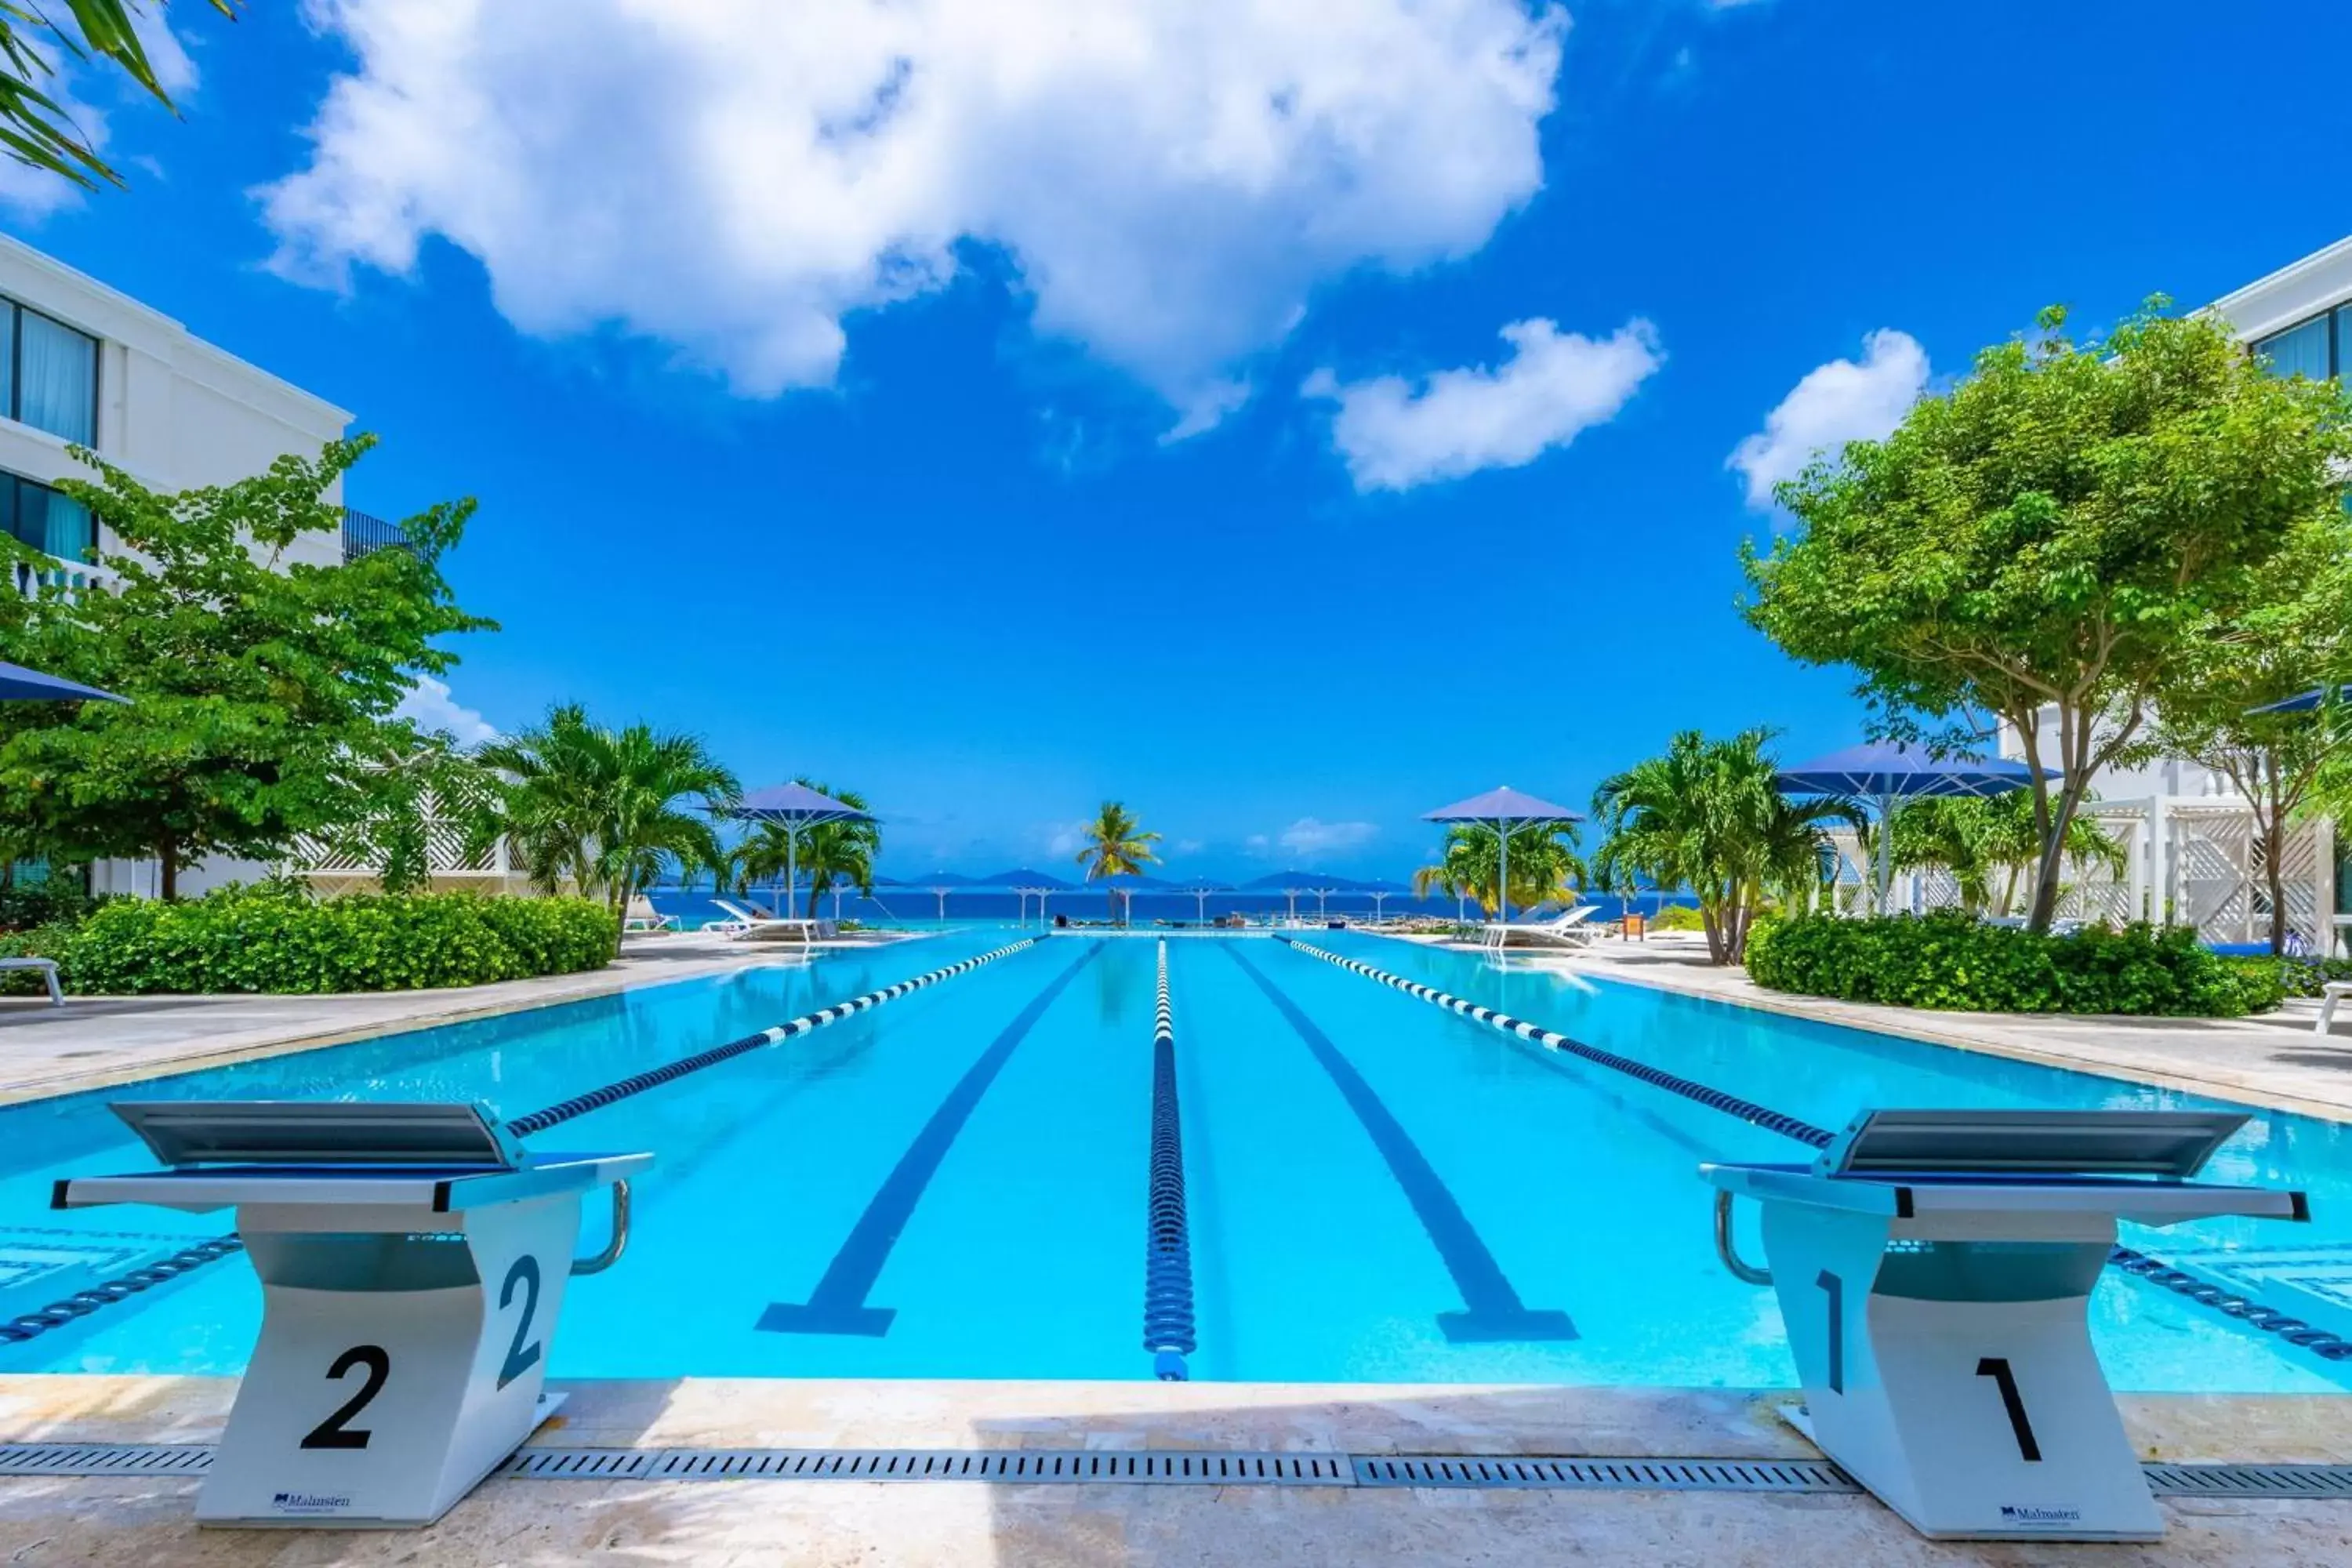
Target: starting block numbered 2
<point x="412" y="1263"/>
<point x="1935" y="1271"/>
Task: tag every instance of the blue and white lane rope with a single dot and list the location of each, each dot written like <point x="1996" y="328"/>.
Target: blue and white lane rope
<point x="1168" y="1326"/>
<point x="2294" y="1331"/>
<point x="83" y="1303"/>
<point x="637" y="1083"/>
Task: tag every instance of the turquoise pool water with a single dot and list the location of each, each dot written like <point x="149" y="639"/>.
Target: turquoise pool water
<point x="971" y="1161"/>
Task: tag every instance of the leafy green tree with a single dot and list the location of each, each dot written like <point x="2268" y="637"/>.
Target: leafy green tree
<point x="2295" y="634"/>
<point x="606" y="811"/>
<point x="1544" y="861"/>
<point x="416" y="782"/>
<point x="1115" y="846"/>
<point x="1987" y="845"/>
<point x="1706" y="817"/>
<point x="826" y="853"/>
<point x="2048" y="542"/>
<point x="258" y="685"/>
<point x="36" y="129"/>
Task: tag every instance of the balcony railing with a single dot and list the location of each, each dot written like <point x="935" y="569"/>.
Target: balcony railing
<point x="364" y="535"/>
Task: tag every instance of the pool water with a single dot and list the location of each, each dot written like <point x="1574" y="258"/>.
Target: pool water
<point x="954" y="1184"/>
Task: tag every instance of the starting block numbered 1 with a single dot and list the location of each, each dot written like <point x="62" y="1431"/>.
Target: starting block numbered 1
<point x="1935" y="1271"/>
<point x="412" y="1264"/>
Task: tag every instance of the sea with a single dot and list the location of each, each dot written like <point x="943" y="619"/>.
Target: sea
<point x="918" y="907"/>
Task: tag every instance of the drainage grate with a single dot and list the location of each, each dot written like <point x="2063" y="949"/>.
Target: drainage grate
<point x="1605" y="1475"/>
<point x="1014" y="1465"/>
<point x="105" y="1459"/>
<point x="1172" y="1467"/>
<point x="2252" y="1481"/>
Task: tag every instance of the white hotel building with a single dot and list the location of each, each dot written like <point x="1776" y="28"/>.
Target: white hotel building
<point x="82" y="364"/>
<point x="2187" y="829"/>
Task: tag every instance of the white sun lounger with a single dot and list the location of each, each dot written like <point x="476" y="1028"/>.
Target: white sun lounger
<point x="2334" y="992"/>
<point x="643" y="918"/>
<point x="1573" y="928"/>
<point x="756" y="927"/>
<point x="49" y="971"/>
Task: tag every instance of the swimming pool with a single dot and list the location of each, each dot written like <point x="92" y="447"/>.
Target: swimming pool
<point x="954" y="1184"/>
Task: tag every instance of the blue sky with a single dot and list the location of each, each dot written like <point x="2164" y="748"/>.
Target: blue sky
<point x="1001" y="412"/>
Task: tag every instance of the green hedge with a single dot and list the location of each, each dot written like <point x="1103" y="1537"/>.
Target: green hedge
<point x="1951" y="961"/>
<point x="270" y="941"/>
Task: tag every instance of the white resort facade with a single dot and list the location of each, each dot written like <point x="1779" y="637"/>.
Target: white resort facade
<point x="2192" y="854"/>
<point x="84" y="365"/>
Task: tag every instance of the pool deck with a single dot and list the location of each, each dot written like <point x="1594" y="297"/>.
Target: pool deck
<point x="2274" y="1060"/>
<point x="128" y="1519"/>
<point x="96" y="1042"/>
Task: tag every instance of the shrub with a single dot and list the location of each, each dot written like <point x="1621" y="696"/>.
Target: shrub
<point x="1950" y="961"/>
<point x="1677" y="917"/>
<point x="267" y="939"/>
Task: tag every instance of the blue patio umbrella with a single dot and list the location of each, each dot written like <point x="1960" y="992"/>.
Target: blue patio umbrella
<point x="1290" y="884"/>
<point x="1127" y="884"/>
<point x="796" y="806"/>
<point x="2305" y="701"/>
<point x="18" y="684"/>
<point x="1380" y="890"/>
<point x="938" y="884"/>
<point x="1200" y="887"/>
<point x="1024" y="880"/>
<point x="1506" y="810"/>
<point x="1887" y="770"/>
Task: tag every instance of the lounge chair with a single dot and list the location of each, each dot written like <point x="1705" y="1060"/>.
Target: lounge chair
<point x="753" y="926"/>
<point x="2332" y="993"/>
<point x="1574" y="927"/>
<point x="643" y="917"/>
<point x="49" y="972"/>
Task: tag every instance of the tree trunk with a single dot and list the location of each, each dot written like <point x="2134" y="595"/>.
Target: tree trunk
<point x="2273" y="842"/>
<point x="168" y="857"/>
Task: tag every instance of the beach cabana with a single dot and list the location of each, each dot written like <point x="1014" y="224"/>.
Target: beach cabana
<point x="1884" y="771"/>
<point x="938" y="884"/>
<point x="796" y="806"/>
<point x="1507" y="811"/>
<point x="1289" y="884"/>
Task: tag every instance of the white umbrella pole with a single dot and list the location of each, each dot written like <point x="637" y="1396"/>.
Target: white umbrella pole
<point x="1886" y="846"/>
<point x="792" y="867"/>
<point x="1503" y="869"/>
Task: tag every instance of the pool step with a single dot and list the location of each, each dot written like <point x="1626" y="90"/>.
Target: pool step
<point x="1175" y="1467"/>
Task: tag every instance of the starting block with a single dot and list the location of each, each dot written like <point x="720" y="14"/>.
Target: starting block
<point x="413" y="1260"/>
<point x="1935" y="1269"/>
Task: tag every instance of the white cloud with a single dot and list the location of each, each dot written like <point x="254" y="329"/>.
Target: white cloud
<point x="1169" y="178"/>
<point x="1064" y="840"/>
<point x="1308" y="838"/>
<point x="1836" y="403"/>
<point x="430" y="706"/>
<point x="35" y="194"/>
<point x="1395" y="436"/>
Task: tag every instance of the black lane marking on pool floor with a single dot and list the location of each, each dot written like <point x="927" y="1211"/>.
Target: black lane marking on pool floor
<point x="837" y="1305"/>
<point x="1494" y="1309"/>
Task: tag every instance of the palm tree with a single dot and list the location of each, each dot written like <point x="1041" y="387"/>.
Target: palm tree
<point x="1115" y="846"/>
<point x="1706" y="816"/>
<point x="606" y="810"/>
<point x="35" y="129"/>
<point x="827" y="852"/>
<point x="1982" y="842"/>
<point x="1545" y="862"/>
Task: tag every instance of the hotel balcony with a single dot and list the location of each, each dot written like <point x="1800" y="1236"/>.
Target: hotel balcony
<point x="364" y="535"/>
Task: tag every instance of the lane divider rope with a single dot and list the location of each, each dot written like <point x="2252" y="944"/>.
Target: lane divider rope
<point x="1168" y="1326"/>
<point x="2140" y="1265"/>
<point x="83" y="1303"/>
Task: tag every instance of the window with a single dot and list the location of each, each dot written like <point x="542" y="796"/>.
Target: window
<point x="2301" y="349"/>
<point x="51" y="377"/>
<point x="40" y="517"/>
